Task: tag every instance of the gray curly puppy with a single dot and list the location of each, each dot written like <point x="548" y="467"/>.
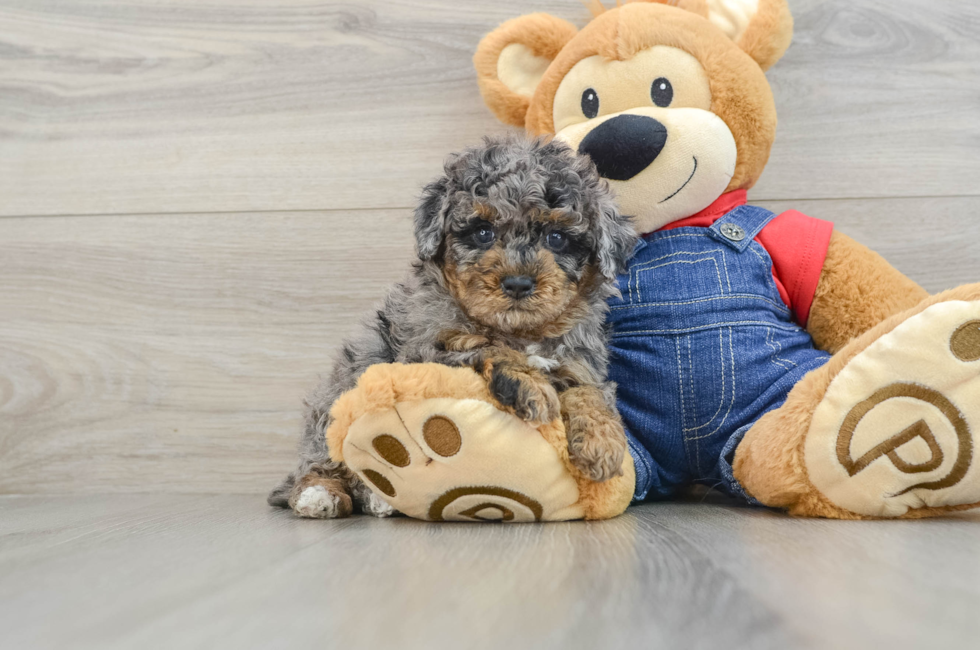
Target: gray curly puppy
<point x="519" y="245"/>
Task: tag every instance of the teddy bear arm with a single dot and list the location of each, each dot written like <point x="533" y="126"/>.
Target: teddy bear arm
<point x="857" y="290"/>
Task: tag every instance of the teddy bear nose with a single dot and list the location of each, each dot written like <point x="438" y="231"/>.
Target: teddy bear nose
<point x="624" y="146"/>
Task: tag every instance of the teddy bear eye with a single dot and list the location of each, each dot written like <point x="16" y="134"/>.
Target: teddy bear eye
<point x="661" y="92"/>
<point x="590" y="103"/>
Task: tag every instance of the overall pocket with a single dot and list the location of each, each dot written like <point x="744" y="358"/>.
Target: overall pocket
<point x="708" y="386"/>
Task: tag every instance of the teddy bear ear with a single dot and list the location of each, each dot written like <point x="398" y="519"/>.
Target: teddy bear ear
<point x="762" y="28"/>
<point x="511" y="60"/>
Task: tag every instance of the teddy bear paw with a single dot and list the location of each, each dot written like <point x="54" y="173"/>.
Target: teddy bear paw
<point x="898" y="427"/>
<point x="460" y="460"/>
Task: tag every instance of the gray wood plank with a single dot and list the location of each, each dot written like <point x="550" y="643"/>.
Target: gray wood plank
<point x="141" y="352"/>
<point x="147" y="106"/>
<point x="226" y="572"/>
<point x="172" y="352"/>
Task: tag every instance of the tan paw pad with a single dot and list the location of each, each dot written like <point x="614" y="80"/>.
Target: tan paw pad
<point x="897" y="428"/>
<point x="460" y="460"/>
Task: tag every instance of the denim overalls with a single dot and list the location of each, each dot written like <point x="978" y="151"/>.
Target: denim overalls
<point x="702" y="346"/>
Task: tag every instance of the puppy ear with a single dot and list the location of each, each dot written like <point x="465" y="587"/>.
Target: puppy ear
<point x="511" y="60"/>
<point x="430" y="218"/>
<point x="616" y="238"/>
<point x="762" y="28"/>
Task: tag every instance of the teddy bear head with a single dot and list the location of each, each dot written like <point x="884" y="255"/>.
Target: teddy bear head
<point x="668" y="97"/>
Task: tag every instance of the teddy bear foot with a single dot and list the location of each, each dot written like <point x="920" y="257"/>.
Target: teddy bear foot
<point x="897" y="429"/>
<point x="889" y="428"/>
<point x="431" y="443"/>
<point x="460" y="460"/>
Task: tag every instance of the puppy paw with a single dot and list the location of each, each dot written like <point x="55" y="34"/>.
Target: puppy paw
<point x="596" y="439"/>
<point x="528" y="396"/>
<point x="376" y="506"/>
<point x="598" y="452"/>
<point x="316" y="500"/>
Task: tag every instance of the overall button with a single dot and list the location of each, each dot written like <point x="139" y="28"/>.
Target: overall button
<point x="733" y="232"/>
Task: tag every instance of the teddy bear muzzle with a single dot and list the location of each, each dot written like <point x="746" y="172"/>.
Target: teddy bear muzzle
<point x="624" y="146"/>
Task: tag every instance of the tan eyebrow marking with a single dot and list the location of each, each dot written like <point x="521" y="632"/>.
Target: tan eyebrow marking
<point x="485" y="211"/>
<point x="552" y="216"/>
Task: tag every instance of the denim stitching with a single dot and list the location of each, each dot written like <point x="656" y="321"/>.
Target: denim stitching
<point x="637" y="453"/>
<point x="646" y="267"/>
<point x="773" y="358"/>
<point x="779" y="348"/>
<point x="770" y="282"/>
<point x="690" y="369"/>
<point x="724" y="264"/>
<point x="733" y="296"/>
<point x="690" y="377"/>
<point x="693" y="234"/>
<point x="731" y="404"/>
<point x="680" y="383"/>
<point x="634" y="270"/>
<point x="791" y="328"/>
<point x="703" y="254"/>
<point x="721" y="359"/>
<point x="764" y="308"/>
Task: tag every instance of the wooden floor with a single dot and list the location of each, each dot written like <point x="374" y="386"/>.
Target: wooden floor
<point x="172" y="571"/>
<point x="198" y="199"/>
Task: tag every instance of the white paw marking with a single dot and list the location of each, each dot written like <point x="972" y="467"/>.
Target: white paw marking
<point x="542" y="363"/>
<point x="317" y="503"/>
<point x="378" y="507"/>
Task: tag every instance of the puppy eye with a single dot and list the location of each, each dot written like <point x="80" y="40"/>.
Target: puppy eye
<point x="484" y="234"/>
<point x="556" y="240"/>
<point x="590" y="103"/>
<point x="662" y="92"/>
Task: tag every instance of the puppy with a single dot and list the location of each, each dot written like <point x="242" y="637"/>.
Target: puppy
<point x="519" y="245"/>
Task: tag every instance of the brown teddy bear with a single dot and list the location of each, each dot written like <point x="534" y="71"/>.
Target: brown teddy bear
<point x="768" y="355"/>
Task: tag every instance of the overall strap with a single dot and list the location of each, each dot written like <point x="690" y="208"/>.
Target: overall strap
<point x="739" y="227"/>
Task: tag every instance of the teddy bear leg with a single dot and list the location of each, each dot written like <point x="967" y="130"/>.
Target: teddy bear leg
<point x="888" y="428"/>
<point x="430" y="442"/>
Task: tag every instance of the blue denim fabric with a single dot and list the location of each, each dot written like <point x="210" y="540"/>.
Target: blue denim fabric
<point x="702" y="347"/>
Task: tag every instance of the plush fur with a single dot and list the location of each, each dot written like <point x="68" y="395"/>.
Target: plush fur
<point x="858" y="289"/>
<point x="740" y="93"/>
<point x="383" y="387"/>
<point x="511" y="208"/>
<point x="769" y="461"/>
<point x="545" y="39"/>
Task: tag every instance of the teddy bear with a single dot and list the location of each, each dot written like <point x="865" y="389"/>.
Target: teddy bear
<point x="770" y="356"/>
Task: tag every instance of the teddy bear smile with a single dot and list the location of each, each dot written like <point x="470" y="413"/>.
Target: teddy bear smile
<point x="689" y="179"/>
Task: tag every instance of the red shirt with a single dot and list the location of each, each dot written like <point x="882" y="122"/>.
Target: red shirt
<point x="796" y="243"/>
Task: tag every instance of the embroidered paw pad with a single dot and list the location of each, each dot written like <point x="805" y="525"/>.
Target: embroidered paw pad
<point x="460" y="460"/>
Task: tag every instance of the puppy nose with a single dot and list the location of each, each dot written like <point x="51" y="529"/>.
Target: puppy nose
<point x="624" y="146"/>
<point x="517" y="286"/>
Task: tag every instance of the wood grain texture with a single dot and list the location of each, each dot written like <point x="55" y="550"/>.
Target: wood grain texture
<point x="148" y="106"/>
<point x="227" y="572"/>
<point x="171" y="352"/>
